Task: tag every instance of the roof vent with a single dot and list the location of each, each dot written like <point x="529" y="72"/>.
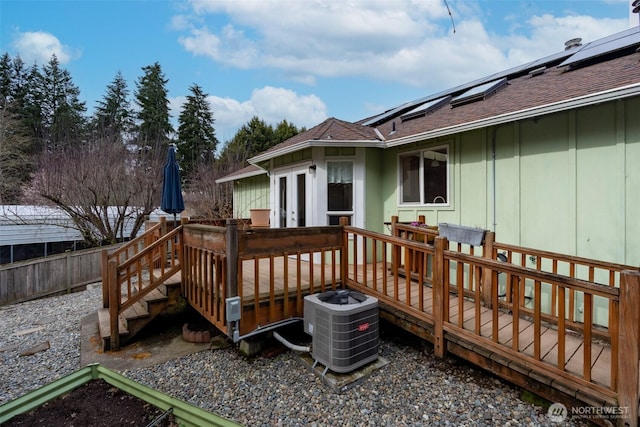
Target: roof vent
<point x="570" y="44"/>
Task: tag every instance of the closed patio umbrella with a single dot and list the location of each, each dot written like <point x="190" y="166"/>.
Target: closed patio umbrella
<point x="172" y="202"/>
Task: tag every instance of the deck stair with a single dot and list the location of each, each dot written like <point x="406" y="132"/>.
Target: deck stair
<point x="135" y="318"/>
<point x="140" y="280"/>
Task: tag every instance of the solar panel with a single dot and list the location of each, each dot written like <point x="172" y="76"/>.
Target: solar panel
<point x="606" y="45"/>
<point x="425" y="108"/>
<point x="479" y="92"/>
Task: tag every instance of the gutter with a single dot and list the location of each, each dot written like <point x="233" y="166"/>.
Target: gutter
<point x="185" y="414"/>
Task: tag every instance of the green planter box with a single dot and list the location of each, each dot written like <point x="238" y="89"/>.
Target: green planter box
<point x="185" y="414"/>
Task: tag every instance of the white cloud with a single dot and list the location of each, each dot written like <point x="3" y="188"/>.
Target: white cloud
<point x="270" y="104"/>
<point x="39" y="46"/>
<point x="407" y="41"/>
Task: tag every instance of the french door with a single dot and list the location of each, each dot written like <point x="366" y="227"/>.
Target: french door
<point x="292" y="202"/>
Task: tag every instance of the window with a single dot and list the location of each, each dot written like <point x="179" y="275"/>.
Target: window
<point x="424" y="177"/>
<point x="339" y="190"/>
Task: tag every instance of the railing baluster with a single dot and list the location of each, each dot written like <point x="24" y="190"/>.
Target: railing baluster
<point x="256" y="285"/>
<point x="322" y="272"/>
<point x="374" y="244"/>
<point x="515" y="314"/>
<point x="588" y="323"/>
<point x="537" y="296"/>
<point x="272" y="291"/>
<point x="460" y="285"/>
<point x="561" y="327"/>
<point x="285" y="283"/>
<point x="478" y="299"/>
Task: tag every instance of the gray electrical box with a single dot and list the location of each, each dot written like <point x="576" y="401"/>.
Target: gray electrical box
<point x="233" y="309"/>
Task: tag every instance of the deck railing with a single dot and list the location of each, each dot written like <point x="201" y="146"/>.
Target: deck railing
<point x="459" y="299"/>
<point x="278" y="267"/>
<point x="204" y="273"/>
<point x="269" y="270"/>
<point x="137" y="269"/>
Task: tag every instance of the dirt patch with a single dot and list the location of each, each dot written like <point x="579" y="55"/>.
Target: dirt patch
<point x="96" y="404"/>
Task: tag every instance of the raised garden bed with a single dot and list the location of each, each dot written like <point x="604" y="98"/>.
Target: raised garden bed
<point x="31" y="409"/>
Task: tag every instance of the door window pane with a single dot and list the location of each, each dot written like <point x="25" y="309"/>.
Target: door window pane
<point x="283" y="201"/>
<point x="301" y="198"/>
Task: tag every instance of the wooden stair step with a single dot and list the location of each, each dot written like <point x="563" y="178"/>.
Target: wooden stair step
<point x="156" y="295"/>
<point x="136" y="311"/>
<point x="105" y="324"/>
<point x="175" y="279"/>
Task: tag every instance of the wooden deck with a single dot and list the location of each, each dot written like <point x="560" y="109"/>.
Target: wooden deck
<point x="545" y="331"/>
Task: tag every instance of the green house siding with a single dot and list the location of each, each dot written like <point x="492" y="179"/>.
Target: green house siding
<point x="565" y="182"/>
<point x="373" y="213"/>
<point x="250" y="193"/>
<point x="629" y="144"/>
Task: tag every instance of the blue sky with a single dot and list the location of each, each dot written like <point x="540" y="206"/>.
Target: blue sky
<point x="300" y="60"/>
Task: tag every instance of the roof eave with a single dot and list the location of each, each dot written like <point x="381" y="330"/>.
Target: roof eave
<point x="365" y="143"/>
<point x="582" y="101"/>
<point x="229" y="178"/>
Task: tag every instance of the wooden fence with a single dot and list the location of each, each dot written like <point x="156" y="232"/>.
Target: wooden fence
<point x="40" y="277"/>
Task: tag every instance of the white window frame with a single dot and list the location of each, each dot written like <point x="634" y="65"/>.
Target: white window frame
<point x="350" y="213"/>
<point x="420" y="153"/>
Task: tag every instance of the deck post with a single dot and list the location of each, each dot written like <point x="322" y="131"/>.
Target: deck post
<point x="344" y="252"/>
<point x="114" y="305"/>
<point x="439" y="344"/>
<point x="163" y="225"/>
<point x="105" y="278"/>
<point x="487" y="277"/>
<point x="232" y="258"/>
<point x="629" y="347"/>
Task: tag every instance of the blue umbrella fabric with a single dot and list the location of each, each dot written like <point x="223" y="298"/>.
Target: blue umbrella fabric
<point x="172" y="202"/>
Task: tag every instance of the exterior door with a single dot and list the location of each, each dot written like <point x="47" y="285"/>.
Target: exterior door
<point x="291" y="193"/>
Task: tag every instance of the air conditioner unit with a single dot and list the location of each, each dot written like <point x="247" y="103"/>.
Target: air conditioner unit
<point x="344" y="329"/>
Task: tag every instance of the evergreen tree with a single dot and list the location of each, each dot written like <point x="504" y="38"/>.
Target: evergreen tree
<point x="18" y="140"/>
<point x="6" y="79"/>
<point x="16" y="162"/>
<point x="154" y="127"/>
<point x="196" y="135"/>
<point x="62" y="112"/>
<point x="285" y="130"/>
<point x="113" y="118"/>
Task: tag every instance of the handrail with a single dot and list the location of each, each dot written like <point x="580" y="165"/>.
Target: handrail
<point x="563" y="257"/>
<point x="143" y="253"/>
<point x="136" y="241"/>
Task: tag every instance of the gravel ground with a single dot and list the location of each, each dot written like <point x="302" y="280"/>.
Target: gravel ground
<point x="414" y="389"/>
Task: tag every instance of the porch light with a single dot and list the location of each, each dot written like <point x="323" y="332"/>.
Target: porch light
<point x="312" y="168"/>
